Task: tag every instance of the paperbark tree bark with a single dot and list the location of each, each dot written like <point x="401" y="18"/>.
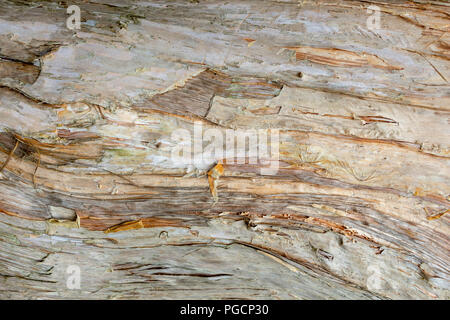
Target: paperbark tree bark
<point x="357" y="208"/>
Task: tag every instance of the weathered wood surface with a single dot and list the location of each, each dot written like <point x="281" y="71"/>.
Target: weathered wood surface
<point x="356" y="210"/>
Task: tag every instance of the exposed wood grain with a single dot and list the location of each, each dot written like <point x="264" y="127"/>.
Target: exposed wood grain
<point x="356" y="210"/>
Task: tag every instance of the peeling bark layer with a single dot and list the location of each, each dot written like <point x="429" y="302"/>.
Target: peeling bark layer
<point x="357" y="209"/>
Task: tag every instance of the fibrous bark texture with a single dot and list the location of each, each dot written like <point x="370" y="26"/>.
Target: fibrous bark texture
<point x="356" y="210"/>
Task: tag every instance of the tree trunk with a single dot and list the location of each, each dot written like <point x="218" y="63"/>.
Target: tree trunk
<point x="350" y="200"/>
